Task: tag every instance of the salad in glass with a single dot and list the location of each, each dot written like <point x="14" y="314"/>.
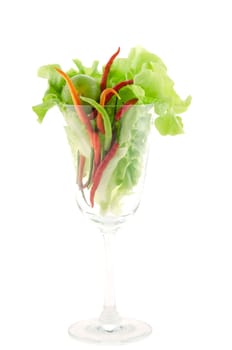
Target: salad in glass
<point x="108" y="113"/>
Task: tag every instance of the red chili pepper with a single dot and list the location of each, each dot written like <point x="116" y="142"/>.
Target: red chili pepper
<point x="80" y="171"/>
<point x="118" y="86"/>
<point x="100" y="124"/>
<point x="80" y="174"/>
<point x="97" y="148"/>
<point x="99" y="171"/>
<point x="125" y="108"/>
<point x="107" y="69"/>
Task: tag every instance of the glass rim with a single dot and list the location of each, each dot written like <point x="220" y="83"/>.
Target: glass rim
<point x="109" y="105"/>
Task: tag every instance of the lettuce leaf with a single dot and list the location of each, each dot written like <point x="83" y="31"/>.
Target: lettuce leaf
<point x="153" y="85"/>
<point x="50" y="99"/>
<point x="52" y="94"/>
<point x="169" y="124"/>
<point x="91" y="71"/>
<point x="76" y="133"/>
<point x="54" y="79"/>
<point x="43" y="108"/>
<point x="124" y="170"/>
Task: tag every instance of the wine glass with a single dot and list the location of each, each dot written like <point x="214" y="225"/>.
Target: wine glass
<point x="108" y="196"/>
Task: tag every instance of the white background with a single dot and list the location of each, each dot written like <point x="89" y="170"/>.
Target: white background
<point x="173" y="265"/>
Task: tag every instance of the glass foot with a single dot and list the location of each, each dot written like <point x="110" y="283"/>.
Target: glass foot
<point x="94" y="331"/>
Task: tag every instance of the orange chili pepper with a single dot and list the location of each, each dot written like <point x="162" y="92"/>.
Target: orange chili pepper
<point x="76" y="101"/>
<point x="103" y="97"/>
<point x="118" y="86"/>
<point x="94" y="137"/>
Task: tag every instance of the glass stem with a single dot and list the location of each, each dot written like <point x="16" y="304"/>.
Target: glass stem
<point x="109" y="316"/>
